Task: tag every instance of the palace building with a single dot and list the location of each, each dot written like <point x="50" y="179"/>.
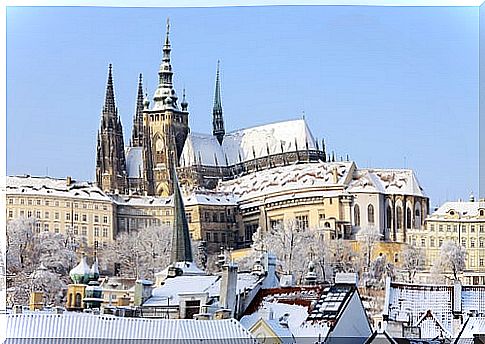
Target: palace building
<point x="233" y="182"/>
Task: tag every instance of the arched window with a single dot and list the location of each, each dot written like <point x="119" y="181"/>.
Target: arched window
<point x="370" y="214"/>
<point x="417" y="216"/>
<point x="389" y="217"/>
<point x="409" y="218"/>
<point x="356" y="215"/>
<point x="399" y="217"/>
<point x="78" y="300"/>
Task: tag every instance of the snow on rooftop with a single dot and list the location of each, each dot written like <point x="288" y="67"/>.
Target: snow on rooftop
<point x="134" y="162"/>
<point x="464" y="209"/>
<point x="473" y="326"/>
<point x="389" y="181"/>
<point x="46" y="186"/>
<point x="87" y="327"/>
<point x="210" y="198"/>
<point x="292" y="177"/>
<point x="247" y="144"/>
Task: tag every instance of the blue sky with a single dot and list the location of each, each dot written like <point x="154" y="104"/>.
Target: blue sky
<point x="390" y="86"/>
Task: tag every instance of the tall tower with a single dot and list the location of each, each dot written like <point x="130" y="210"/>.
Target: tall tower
<point x="217" y="119"/>
<point x="137" y="131"/>
<point x="110" y="157"/>
<point x="168" y="125"/>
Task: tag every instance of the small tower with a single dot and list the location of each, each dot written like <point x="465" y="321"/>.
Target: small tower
<point x="217" y="119"/>
<point x="137" y="131"/>
<point x="110" y="158"/>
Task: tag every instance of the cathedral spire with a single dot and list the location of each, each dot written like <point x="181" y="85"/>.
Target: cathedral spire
<point x="181" y="245"/>
<point x="217" y="119"/>
<point x="165" y="94"/>
<point x="109" y="100"/>
<point x="137" y="132"/>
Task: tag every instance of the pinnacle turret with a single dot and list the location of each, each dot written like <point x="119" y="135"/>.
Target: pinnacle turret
<point x="137" y="132"/>
<point x="217" y="119"/>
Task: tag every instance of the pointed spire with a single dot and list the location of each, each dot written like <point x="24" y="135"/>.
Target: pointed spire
<point x="181" y="245"/>
<point x="109" y="100"/>
<point x="165" y="77"/>
<point x="184" y="104"/>
<point x="217" y="119"/>
<point x="137" y="132"/>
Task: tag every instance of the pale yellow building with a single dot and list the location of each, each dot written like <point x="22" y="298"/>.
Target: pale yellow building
<point x="462" y="222"/>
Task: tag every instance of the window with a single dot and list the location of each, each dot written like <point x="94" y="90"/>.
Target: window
<point x="96" y="231"/>
<point x="46" y="214"/>
<point x="29" y="213"/>
<point x="480" y="243"/>
<point x="37" y="214"/>
<point x="463" y="228"/>
<point x="105" y="207"/>
<point x="105" y="219"/>
<point x="84" y="230"/>
<point x="29" y="202"/>
<point x="57" y="203"/>
<point x="431" y="227"/>
<point x="455" y="228"/>
<point x="96" y="207"/>
<point x="21" y="213"/>
<point x="76" y="205"/>
<point x="431" y="242"/>
<point x="105" y="232"/>
<point x="448" y="228"/>
<point x="440" y="228"/>
<point x="472" y="243"/>
<point x="222" y="217"/>
<point x="96" y="218"/>
<point x="370" y="214"/>
<point x="56" y="216"/>
<point x="216" y="237"/>
<point x="472" y="229"/>
<point x="357" y="215"/>
<point x="10" y="214"/>
<point x="56" y="228"/>
<point x="46" y="202"/>
<point x="423" y="242"/>
<point x="68" y="216"/>
<point x="46" y="227"/>
<point x="223" y="237"/>
<point x="399" y="217"/>
<point x="440" y="242"/>
<point x="76" y="217"/>
<point x="208" y="236"/>
<point x="275" y="223"/>
<point x="215" y="217"/>
<point x="480" y="262"/>
<point x="68" y="204"/>
<point x="409" y="218"/>
<point x="37" y="227"/>
<point x="206" y="217"/>
<point x="84" y="206"/>
<point x="22" y="201"/>
<point x="302" y="222"/>
<point x="75" y="230"/>
<point x="38" y="202"/>
<point x="463" y="242"/>
<point x="389" y="217"/>
<point x="10" y="201"/>
<point x="84" y="218"/>
<point x="189" y="217"/>
<point x="481" y="229"/>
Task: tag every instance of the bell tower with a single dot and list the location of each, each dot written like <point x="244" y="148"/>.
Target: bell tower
<point x="167" y="124"/>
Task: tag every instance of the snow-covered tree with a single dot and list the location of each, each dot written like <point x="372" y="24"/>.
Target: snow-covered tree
<point x="368" y="238"/>
<point x="452" y="258"/>
<point x="26" y="251"/>
<point x="380" y="268"/>
<point x="342" y="258"/>
<point x="139" y="253"/>
<point x="412" y="261"/>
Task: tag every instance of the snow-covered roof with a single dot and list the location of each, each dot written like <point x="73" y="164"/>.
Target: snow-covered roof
<point x="247" y="144"/>
<point x="134" y="162"/>
<point x="46" y="186"/>
<point x="410" y="302"/>
<point x="387" y="181"/>
<point x="463" y="209"/>
<point x="209" y="198"/>
<point x="87" y="328"/>
<point x="168" y="293"/>
<point x="473" y="326"/>
<point x="143" y="201"/>
<point x="286" y="178"/>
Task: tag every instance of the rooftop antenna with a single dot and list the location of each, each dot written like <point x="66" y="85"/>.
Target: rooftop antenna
<point x="303" y="114"/>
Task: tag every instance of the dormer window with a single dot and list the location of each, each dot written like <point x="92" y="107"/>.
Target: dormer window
<point x="452" y="212"/>
<point x="481" y="212"/>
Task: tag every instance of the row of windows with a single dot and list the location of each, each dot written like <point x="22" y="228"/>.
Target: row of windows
<point x="56" y="216"/>
<point x="47" y="202"/>
<point x="218" y="237"/>
<point x="215" y="217"/>
<point x="389" y="217"/>
<point x="454" y="227"/>
<point x="97" y="231"/>
<point x="437" y="242"/>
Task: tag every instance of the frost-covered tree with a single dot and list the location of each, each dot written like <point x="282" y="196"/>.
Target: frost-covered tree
<point x="452" y="258"/>
<point x="50" y="283"/>
<point x="380" y="268"/>
<point x="26" y="251"/>
<point x="412" y="261"/>
<point x="342" y="257"/>
<point x="368" y="238"/>
<point x="139" y="253"/>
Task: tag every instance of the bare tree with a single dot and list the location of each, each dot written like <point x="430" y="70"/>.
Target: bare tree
<point x="452" y="258"/>
<point x="412" y="261"/>
<point x="368" y="238"/>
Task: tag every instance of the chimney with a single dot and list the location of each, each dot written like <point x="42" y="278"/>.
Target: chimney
<point x="143" y="291"/>
<point x="457" y="298"/>
<point x="271" y="280"/>
<point x="68" y="181"/>
<point x="228" y="287"/>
